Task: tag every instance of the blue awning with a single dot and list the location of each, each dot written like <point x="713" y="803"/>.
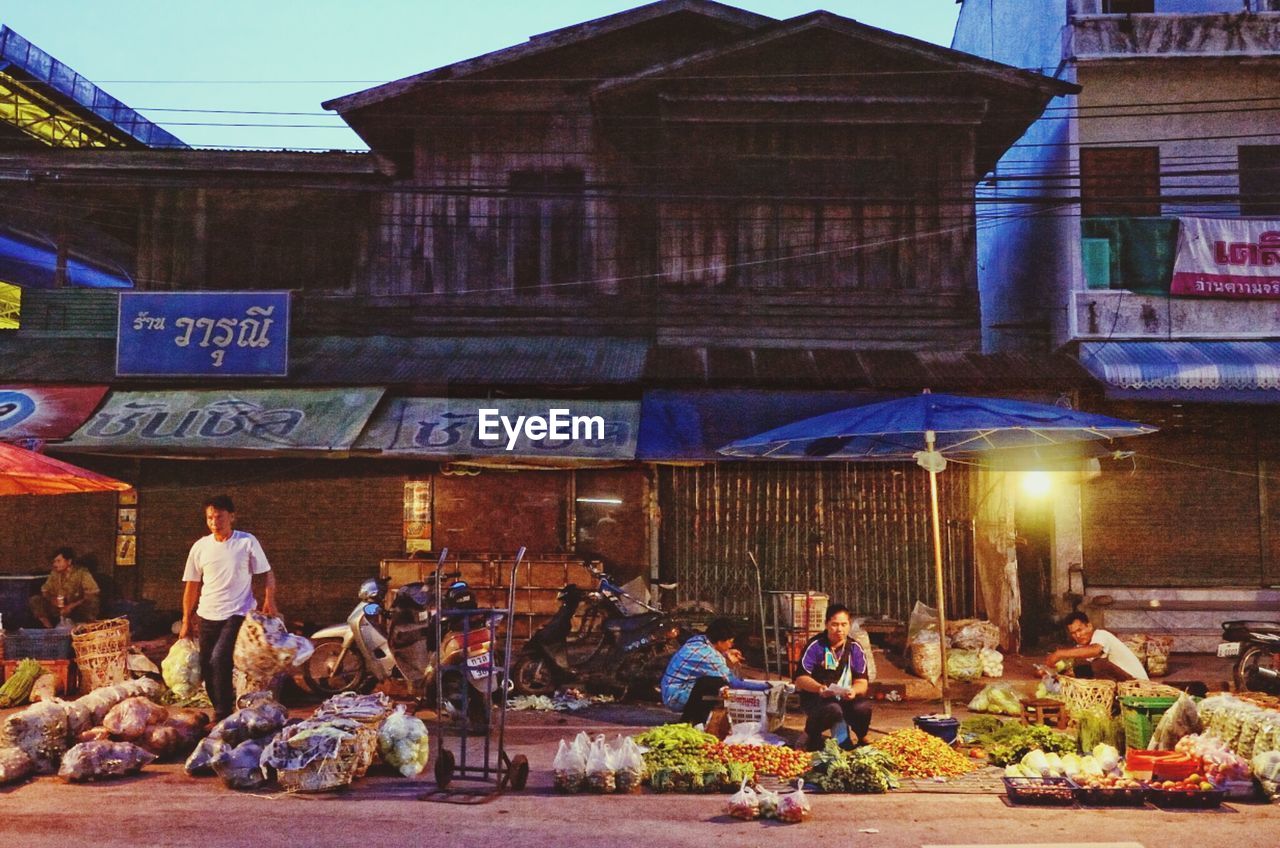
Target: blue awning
<point x="1187" y="372"/>
<point x="29" y="262"/>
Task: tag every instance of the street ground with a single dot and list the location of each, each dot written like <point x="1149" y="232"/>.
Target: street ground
<point x="164" y="806"/>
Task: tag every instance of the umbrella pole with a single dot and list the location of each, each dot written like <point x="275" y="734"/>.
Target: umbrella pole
<point x="937" y="576"/>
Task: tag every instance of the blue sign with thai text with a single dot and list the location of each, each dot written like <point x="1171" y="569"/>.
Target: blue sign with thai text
<point x="194" y="334"/>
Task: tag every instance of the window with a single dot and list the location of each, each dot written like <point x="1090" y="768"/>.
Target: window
<point x="1260" y="179"/>
<point x="1120" y="181"/>
<point x="1128" y="7"/>
<point x="547" y="228"/>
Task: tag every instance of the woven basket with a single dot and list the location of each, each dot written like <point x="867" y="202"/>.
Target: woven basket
<point x="101" y="648"/>
<point x="352" y="760"/>
<point x="1083" y="695"/>
<point x="1146" y="689"/>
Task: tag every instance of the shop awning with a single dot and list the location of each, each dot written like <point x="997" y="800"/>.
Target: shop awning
<point x="45" y="412"/>
<point x="31" y="263"/>
<point x="498" y="430"/>
<point x="688" y="426"/>
<point x="1187" y="372"/>
<point x="213" y="423"/>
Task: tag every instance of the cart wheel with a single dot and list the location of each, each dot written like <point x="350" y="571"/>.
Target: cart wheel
<point x="519" y="770"/>
<point x="444" y="768"/>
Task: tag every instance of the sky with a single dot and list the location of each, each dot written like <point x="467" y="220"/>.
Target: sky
<point x="232" y="58"/>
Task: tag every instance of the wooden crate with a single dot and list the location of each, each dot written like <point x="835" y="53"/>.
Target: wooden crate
<point x="63" y="671"/>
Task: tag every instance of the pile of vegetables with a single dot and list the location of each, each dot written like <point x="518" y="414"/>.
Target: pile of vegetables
<point x="1220" y="762"/>
<point x="1104" y="760"/>
<point x="786" y="763"/>
<point x="17" y="688"/>
<point x="917" y="754"/>
<point x="997" y="698"/>
<point x="677" y="760"/>
<point x="865" y="769"/>
<point x="1009" y="741"/>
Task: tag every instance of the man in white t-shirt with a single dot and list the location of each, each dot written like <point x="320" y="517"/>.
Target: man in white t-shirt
<point x="1107" y="656"/>
<point x="220" y="575"/>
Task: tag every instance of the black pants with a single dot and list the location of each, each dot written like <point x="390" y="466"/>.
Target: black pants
<point x="697" y="709"/>
<point x="826" y="712"/>
<point x="217" y="642"/>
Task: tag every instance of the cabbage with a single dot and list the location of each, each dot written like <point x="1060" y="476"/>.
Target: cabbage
<point x="1055" y="763"/>
<point x="403" y="743"/>
<point x="1071" y="765"/>
<point x="1089" y="767"/>
<point x="1036" y="761"/>
<point x="181" y="668"/>
<point x="1108" y="757"/>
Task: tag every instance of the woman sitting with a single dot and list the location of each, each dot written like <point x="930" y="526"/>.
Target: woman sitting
<point x="832" y="682"/>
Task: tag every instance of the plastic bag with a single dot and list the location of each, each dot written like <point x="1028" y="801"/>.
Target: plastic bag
<point x="746" y="733"/>
<point x="181" y="668"/>
<point x="973" y="634"/>
<point x="569" y="768"/>
<point x="1181" y="720"/>
<point x="240" y="767"/>
<point x="857" y="634"/>
<point x="264" y="719"/>
<point x="794" y="807"/>
<point x="404" y="743"/>
<point x="129" y="719"/>
<point x="926" y="656"/>
<point x="744" y="804"/>
<point x="95" y="760"/>
<point x="923" y="618"/>
<point x="999" y="698"/>
<point x="629" y="767"/>
<point x="992" y="662"/>
<point x="964" y="665"/>
<point x="15" y="765"/>
<point x="769" y="802"/>
<point x="40" y="731"/>
<point x="202" y="758"/>
<point x="600" y="768"/>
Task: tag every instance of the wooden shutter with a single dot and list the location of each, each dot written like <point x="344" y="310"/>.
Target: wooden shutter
<point x="1120" y="181"/>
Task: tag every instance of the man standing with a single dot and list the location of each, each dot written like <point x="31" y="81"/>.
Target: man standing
<point x="1106" y="656"/>
<point x="219" y="574"/>
<point x="70" y="592"/>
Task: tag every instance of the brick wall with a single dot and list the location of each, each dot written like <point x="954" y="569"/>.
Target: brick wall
<point x="31" y="527"/>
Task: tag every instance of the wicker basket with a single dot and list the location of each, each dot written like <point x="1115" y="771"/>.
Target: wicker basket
<point x="1084" y="695"/>
<point x="1146" y="689"/>
<point x="352" y="760"/>
<point x="101" y="649"/>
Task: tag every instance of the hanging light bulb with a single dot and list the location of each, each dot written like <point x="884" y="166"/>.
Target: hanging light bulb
<point x="1036" y="483"/>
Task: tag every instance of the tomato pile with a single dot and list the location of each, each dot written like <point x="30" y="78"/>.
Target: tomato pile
<point x="920" y="755"/>
<point x="785" y="762"/>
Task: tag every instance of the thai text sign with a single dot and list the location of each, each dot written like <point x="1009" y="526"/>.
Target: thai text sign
<point x="460" y="427"/>
<point x="216" y="334"/>
<point x="1227" y="258"/>
<point x="209" y="422"/>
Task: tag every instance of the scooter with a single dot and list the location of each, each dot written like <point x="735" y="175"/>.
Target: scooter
<point x="1256" y="646"/>
<point x="384" y="639"/>
<point x="611" y="648"/>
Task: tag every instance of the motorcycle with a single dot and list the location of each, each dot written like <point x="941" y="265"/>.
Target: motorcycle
<point x="396" y="639"/>
<point x="621" y="643"/>
<point x="1256" y="646"/>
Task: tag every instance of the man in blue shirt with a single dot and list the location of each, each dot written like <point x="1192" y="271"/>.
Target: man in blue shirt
<point x="700" y="670"/>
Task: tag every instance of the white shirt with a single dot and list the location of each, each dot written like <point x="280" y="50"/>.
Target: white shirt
<point x="225" y="571"/>
<point x="1118" y="652"/>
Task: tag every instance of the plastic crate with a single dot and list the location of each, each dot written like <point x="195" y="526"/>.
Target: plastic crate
<point x="744" y="705"/>
<point x="64" y="674"/>
<point x="1040" y="790"/>
<point x="1200" y="799"/>
<point x="1111" y="796"/>
<point x="1140" y="717"/>
<point x="39" y="644"/>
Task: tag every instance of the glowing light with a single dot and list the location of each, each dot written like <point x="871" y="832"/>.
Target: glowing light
<point x="1036" y="483"/>
<point x="609" y="501"/>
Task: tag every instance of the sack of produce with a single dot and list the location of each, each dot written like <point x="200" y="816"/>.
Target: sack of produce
<point x="181" y="668"/>
<point x="240" y="767"/>
<point x="1158" y="649"/>
<point x="93" y="734"/>
<point x="129" y="719"/>
<point x="40" y="731"/>
<point x="97" y="760"/>
<point x="264" y="719"/>
<point x="629" y="771"/>
<point x="264" y="647"/>
<point x="857" y="634"/>
<point x="100" y="701"/>
<point x="769" y="801"/>
<point x="926" y="656"/>
<point x="44" y="689"/>
<point x="973" y="634"/>
<point x="744" y="804"/>
<point x="793" y="807"/>
<point x="999" y="698"/>
<point x="201" y="761"/>
<point x="569" y="768"/>
<point x="403" y="743"/>
<point x="15" y="765"/>
<point x="992" y="662"/>
<point x="1181" y="720"/>
<point x="601" y="775"/>
<point x="964" y="665"/>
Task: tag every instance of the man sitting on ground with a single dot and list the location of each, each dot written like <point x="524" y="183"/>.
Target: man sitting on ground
<point x="1105" y="657"/>
<point x="70" y="593"/>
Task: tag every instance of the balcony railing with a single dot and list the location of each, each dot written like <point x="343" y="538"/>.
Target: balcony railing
<point x="1125" y="36"/>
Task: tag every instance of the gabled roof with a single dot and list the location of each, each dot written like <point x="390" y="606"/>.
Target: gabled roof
<point x="869" y="35"/>
<point x="554" y="40"/>
<point x="31" y="66"/>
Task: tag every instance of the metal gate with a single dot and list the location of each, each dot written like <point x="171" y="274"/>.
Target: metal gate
<point x="858" y="531"/>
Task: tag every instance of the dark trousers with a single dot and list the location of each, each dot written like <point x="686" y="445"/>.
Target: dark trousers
<point x="823" y="713"/>
<point x="1101" y="668"/>
<point x="217" y="643"/>
<point x="698" y="709"/>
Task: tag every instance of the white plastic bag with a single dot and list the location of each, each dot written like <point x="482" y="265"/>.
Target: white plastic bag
<point x="793" y="807"/>
<point x="745" y="803"/>
<point x="746" y="733"/>
<point x="569" y="768"/>
<point x="181" y="668"/>
<point x="601" y="775"/>
<point x="629" y="767"/>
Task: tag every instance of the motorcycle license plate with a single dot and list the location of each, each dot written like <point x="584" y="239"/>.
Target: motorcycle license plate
<point x="1228" y="649"/>
<point x="480" y="665"/>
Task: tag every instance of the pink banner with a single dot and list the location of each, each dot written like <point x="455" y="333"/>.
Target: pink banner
<point x="1224" y="257"/>
<point x="45" y="412"/>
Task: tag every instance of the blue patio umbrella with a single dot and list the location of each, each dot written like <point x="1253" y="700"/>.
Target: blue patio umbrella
<point x="926" y="428"/>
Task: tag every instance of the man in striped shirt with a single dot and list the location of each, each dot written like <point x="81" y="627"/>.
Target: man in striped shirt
<point x="700" y="671"/>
